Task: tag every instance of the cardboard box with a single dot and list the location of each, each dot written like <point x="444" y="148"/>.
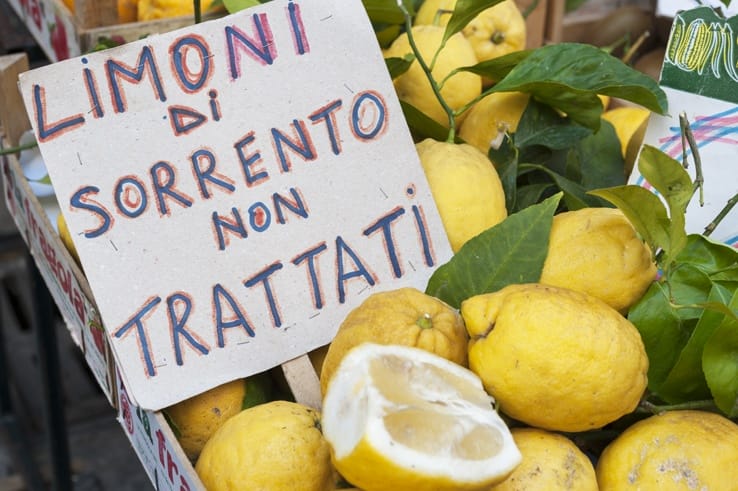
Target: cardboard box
<point x="62" y="34"/>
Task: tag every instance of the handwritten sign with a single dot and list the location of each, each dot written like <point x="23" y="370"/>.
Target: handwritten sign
<point x="234" y="189"/>
<point x="700" y="79"/>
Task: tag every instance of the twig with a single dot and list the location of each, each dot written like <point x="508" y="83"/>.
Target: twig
<point x="699" y="179"/>
<point x="198" y="11"/>
<point x="650" y="407"/>
<point x="719" y="218"/>
<point x="635" y="47"/>
<point x="18" y="149"/>
<point x="427" y="71"/>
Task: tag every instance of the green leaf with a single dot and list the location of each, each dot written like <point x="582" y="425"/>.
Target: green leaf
<point x="387" y="11"/>
<point x="513" y="251"/>
<point x="720" y="364"/>
<point x="233" y="6"/>
<point x="644" y="210"/>
<point x="541" y="125"/>
<point x="575" y="196"/>
<point x="465" y="11"/>
<point x="686" y="381"/>
<point x="421" y="125"/>
<point x="599" y="160"/>
<point x="674" y="184"/>
<point x="259" y="389"/>
<point x="530" y="194"/>
<point x="505" y="159"/>
<point x="497" y="68"/>
<point x="663" y="332"/>
<point x="397" y="66"/>
<point x="568" y="76"/>
<point x="717" y="259"/>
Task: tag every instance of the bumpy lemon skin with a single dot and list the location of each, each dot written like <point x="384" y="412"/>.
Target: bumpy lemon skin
<point x="404" y="316"/>
<point x="597" y="251"/>
<point x="676" y="450"/>
<point x="277" y="446"/>
<point x="413" y="86"/>
<point x="551" y="462"/>
<point x="554" y="358"/>
<point x="466" y="189"/>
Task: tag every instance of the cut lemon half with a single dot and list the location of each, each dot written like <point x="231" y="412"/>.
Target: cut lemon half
<point x="402" y="418"/>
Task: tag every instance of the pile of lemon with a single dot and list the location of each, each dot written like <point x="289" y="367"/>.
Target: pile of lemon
<point x="495" y="395"/>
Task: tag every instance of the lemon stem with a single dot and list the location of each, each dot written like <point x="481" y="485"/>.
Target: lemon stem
<point x="436" y="89"/>
<point x="649" y="407"/>
<point x="424" y="321"/>
<point x="198" y="11"/>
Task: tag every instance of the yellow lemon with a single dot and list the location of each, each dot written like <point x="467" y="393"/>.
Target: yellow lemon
<point x="277" y="446"/>
<point x="496" y="31"/>
<point x="127" y="11"/>
<point x="466" y="189"/>
<point x="413" y="86"/>
<point x="554" y="358"/>
<point x="164" y="9"/>
<point x="491" y="117"/>
<point x="675" y="450"/>
<point x="630" y="124"/>
<point x="194" y="420"/>
<point x="404" y="419"/>
<point x="66" y="238"/>
<point x="597" y="251"/>
<point x="551" y="462"/>
<point x="403" y="316"/>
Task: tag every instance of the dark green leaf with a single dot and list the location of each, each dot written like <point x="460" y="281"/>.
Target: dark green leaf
<point x="568" y="76"/>
<point x="505" y="159"/>
<point x="575" y="196"/>
<point x="720" y="364"/>
<point x="673" y="183"/>
<point x="663" y="332"/>
<point x="530" y="194"/>
<point x="685" y="381"/>
<point x="259" y="390"/>
<point x="421" y="125"/>
<point x="498" y="68"/>
<point x="512" y="251"/>
<point x="398" y="66"/>
<point x="233" y="6"/>
<point x="599" y="160"/>
<point x="465" y="11"/>
<point x="387" y="11"/>
<point x="541" y="125"/>
<point x="644" y="210"/>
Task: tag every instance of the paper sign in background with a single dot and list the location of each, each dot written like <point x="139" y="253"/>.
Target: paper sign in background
<point x="700" y="80"/>
<point x="234" y="189"/>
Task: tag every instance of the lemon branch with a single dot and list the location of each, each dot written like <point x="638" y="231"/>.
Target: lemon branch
<point x="428" y="73"/>
<point x="18" y="149"/>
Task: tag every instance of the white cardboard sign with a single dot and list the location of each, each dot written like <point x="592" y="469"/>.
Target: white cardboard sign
<point x="234" y="189"/>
